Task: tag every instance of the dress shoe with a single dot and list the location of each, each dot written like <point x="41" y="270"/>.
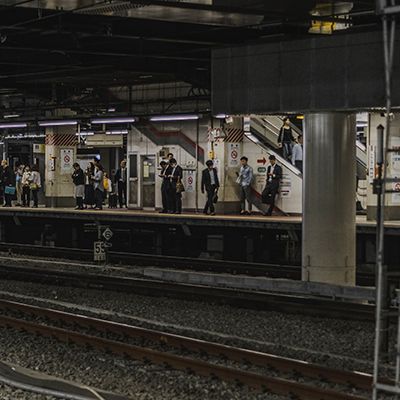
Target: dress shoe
<point x="177" y="212"/>
<point x="77" y="208"/>
<point x="213" y="213"/>
<point x="163" y="212"/>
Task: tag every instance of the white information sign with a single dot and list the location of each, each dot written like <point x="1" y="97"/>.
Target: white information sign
<point x="190" y="184"/>
<point x="67" y="159"/>
<point x="395" y="168"/>
<point x="233" y="156"/>
<point x="372" y="164"/>
<point x="217" y="166"/>
<point x="99" y="251"/>
<point x="286" y="186"/>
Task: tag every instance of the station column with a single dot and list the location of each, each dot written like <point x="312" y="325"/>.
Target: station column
<point x="329" y="189"/>
<point x="60" y="156"/>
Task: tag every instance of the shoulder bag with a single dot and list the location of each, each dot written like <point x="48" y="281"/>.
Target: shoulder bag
<point x="179" y="186"/>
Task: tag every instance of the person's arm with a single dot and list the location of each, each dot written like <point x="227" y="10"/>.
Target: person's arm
<point x="216" y="178"/>
<point x="278" y="174"/>
<point x="250" y="175"/>
<point x="280" y="135"/>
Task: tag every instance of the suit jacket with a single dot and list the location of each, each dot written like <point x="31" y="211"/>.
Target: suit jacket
<point x="206" y="178"/>
<point x="177" y="173"/>
<point x="278" y="175"/>
<point x="165" y="180"/>
<point x="118" y="176"/>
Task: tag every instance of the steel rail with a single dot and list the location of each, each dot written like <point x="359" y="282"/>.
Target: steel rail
<point x="235" y="297"/>
<point x="257" y="381"/>
<point x="283" y="364"/>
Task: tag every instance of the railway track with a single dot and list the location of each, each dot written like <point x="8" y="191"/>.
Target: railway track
<point x="308" y="387"/>
<point x="276" y="271"/>
<point x="234" y="297"/>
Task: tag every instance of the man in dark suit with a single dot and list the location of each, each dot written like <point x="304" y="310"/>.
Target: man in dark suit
<point x="120" y="179"/>
<point x="174" y="173"/>
<point x="274" y="175"/>
<point x="209" y="180"/>
<point x="164" y="187"/>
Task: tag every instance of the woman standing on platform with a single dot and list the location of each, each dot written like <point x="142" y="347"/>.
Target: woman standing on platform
<point x="98" y="183"/>
<point x="34" y="184"/>
<point x="89" y="190"/>
<point x="79" y="188"/>
<point x="26" y="192"/>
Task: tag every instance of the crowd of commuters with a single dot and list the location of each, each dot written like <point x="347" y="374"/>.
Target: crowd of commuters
<point x="92" y="186"/>
<point x="23" y="183"/>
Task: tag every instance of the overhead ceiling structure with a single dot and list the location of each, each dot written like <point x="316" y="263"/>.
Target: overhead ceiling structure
<point x="56" y="52"/>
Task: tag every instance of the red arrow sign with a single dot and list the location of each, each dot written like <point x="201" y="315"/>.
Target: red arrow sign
<point x="263" y="161"/>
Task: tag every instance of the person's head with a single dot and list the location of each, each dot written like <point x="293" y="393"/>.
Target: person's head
<point x="76" y="166"/>
<point x="105" y="174"/>
<point x="272" y="160"/>
<point x="4" y="163"/>
<point x="34" y="167"/>
<point x="27" y="168"/>
<point x="169" y="156"/>
<point x="123" y="164"/>
<point x="286" y="121"/>
<point x="300" y="139"/>
<point x="95" y="160"/>
<point x="172" y="161"/>
<point x="99" y="167"/>
<point x="244" y="160"/>
<point x="163" y="164"/>
<point x="90" y="166"/>
<point x="210" y="164"/>
<point x="19" y="164"/>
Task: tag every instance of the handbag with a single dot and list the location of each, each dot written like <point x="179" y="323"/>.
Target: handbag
<point x="215" y="198"/>
<point x="179" y="186"/>
<point x="33" y="186"/>
<point x="9" y="190"/>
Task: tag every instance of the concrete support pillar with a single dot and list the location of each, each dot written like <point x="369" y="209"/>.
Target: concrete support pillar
<point x="329" y="187"/>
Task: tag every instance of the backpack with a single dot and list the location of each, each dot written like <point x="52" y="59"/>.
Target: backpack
<point x="105" y="182"/>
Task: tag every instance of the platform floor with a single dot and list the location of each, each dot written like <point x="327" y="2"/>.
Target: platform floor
<point x="361" y="221"/>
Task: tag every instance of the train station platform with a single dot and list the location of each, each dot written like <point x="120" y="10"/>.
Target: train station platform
<point x="254" y="238"/>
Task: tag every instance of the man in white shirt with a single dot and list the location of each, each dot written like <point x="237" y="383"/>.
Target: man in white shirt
<point x="297" y="154"/>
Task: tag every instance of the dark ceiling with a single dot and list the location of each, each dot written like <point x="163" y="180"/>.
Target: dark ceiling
<point x="52" y="50"/>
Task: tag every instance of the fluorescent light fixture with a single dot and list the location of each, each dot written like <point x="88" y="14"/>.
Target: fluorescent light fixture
<point x="120" y="132"/>
<point x="11" y="116"/>
<point x="112" y="120"/>
<point x="221" y="116"/>
<point x="111" y="110"/>
<point x="174" y="118"/>
<point x="84" y="133"/>
<point x="13" y="125"/>
<point x="58" y="123"/>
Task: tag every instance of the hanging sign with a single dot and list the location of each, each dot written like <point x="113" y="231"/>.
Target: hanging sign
<point x="395" y="168"/>
<point x="190" y="181"/>
<point x="286" y="186"/>
<point x="233" y="156"/>
<point x="67" y="159"/>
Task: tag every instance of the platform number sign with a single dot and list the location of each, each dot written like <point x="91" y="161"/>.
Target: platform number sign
<point x="99" y="251"/>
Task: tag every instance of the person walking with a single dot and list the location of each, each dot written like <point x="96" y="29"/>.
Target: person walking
<point x="164" y="187"/>
<point x="34" y="184"/>
<point x="175" y="175"/>
<point x="79" y="189"/>
<point x="297" y="156"/>
<point x="285" y="139"/>
<point x="120" y="179"/>
<point x="18" y="182"/>
<point x="98" y="184"/>
<point x="245" y="178"/>
<point x="89" y="190"/>
<point x="274" y="176"/>
<point x="7" y="181"/>
<point x="209" y="181"/>
<point x="26" y="192"/>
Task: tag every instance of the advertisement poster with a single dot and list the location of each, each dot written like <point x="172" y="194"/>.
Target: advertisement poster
<point x="67" y="159"/>
<point x="286" y="186"/>
<point x="233" y="156"/>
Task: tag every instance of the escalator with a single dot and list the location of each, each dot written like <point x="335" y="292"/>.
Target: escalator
<point x="263" y="142"/>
